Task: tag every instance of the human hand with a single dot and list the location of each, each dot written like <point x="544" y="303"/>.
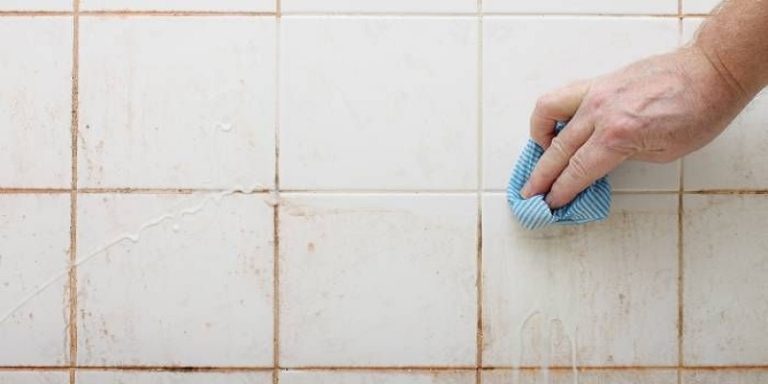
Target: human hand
<point x="656" y="110"/>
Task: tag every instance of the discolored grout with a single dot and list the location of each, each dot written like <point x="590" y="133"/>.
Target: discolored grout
<point x="276" y="211"/>
<point x="72" y="321"/>
<point x="479" y="337"/>
<point x="175" y="13"/>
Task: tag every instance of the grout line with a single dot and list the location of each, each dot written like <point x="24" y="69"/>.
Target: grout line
<point x="474" y="14"/>
<point x="13" y="191"/>
<point x="680" y="265"/>
<point x="276" y="212"/>
<point x="179" y="13"/>
<point x="192" y="369"/>
<point x="72" y="292"/>
<point x="35" y="13"/>
<point x="479" y="256"/>
<point x="183" y="191"/>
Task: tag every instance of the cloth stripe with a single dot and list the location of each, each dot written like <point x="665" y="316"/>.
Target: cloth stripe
<point x="593" y="204"/>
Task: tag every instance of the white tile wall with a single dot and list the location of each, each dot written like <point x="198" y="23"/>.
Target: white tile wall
<point x="314" y="377"/>
<point x="378" y="280"/>
<point x="192" y="102"/>
<point x="102" y="377"/>
<point x="731" y="376"/>
<point x="524" y="57"/>
<point x="736" y="159"/>
<point x="375" y="110"/>
<point x="699" y="6"/>
<point x="584" y="6"/>
<point x="21" y="377"/>
<point x="175" y="280"/>
<point x="725" y="287"/>
<point x="36" y="5"/>
<point x="186" y="5"/>
<point x="598" y="295"/>
<point x="401" y="92"/>
<point x="668" y="376"/>
<point x="34" y="251"/>
<point x="429" y="6"/>
<point x="35" y="94"/>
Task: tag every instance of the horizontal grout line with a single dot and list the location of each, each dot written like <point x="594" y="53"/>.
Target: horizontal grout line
<point x="182" y="13"/>
<point x="185" y="191"/>
<point x="180" y="191"/>
<point x="381" y="368"/>
<point x="417" y="368"/>
<point x="11" y="191"/>
<point x="728" y="192"/>
<point x="173" y="13"/>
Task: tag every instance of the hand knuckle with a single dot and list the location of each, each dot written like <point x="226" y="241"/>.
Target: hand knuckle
<point x="560" y="147"/>
<point x="578" y="167"/>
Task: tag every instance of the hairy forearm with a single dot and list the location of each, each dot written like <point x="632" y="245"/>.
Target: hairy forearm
<point x="735" y="41"/>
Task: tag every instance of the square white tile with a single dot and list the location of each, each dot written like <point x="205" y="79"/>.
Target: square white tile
<point x="177" y="102"/>
<point x="730" y="376"/>
<point x="378" y="103"/>
<point x="437" y="6"/>
<point x="34" y="259"/>
<point x="699" y="6"/>
<point x="410" y="377"/>
<point x="37" y="377"/>
<point x="603" y="294"/>
<point x="175" y="280"/>
<point x="123" y="377"/>
<point x="180" y="5"/>
<point x="736" y="159"/>
<point x="584" y="6"/>
<point x="507" y="376"/>
<point x="377" y="280"/>
<point x="36" y="5"/>
<point x="36" y="95"/>
<point x="524" y="57"/>
<point x="726" y="293"/>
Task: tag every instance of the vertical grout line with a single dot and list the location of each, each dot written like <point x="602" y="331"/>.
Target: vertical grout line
<point x="680" y="194"/>
<point x="72" y="292"/>
<point x="276" y="213"/>
<point x="479" y="256"/>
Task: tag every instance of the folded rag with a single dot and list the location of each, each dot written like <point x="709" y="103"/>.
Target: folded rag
<point x="592" y="204"/>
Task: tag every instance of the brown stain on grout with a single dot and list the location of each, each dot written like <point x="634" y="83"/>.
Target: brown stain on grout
<point x="181" y="191"/>
<point x="13" y="191"/>
<point x="72" y="321"/>
<point x="479" y="336"/>
<point x="177" y="13"/>
<point x="276" y="211"/>
<point x="33" y="13"/>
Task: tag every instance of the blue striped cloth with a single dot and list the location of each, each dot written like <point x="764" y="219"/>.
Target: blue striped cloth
<point x="592" y="204"/>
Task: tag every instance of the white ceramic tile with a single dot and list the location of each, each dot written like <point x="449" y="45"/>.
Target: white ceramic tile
<point x="123" y="377"/>
<point x="180" y="5"/>
<point x="584" y="6"/>
<point x="36" y="5"/>
<point x="177" y="102"/>
<point x="36" y="93"/>
<point x="34" y="252"/>
<point x="412" y="377"/>
<point x="437" y="6"/>
<point x="175" y="280"/>
<point x="371" y="280"/>
<point x="37" y="377"/>
<point x="378" y="103"/>
<point x="596" y="295"/>
<point x="726" y="293"/>
<point x="730" y="376"/>
<point x="581" y="377"/>
<point x="525" y="57"/>
<point x="699" y="6"/>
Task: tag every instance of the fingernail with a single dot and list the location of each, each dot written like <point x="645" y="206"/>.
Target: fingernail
<point x="525" y="191"/>
<point x="549" y="202"/>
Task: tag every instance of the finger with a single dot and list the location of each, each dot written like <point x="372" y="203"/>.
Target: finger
<point x="559" y="105"/>
<point x="591" y="162"/>
<point x="556" y="157"/>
